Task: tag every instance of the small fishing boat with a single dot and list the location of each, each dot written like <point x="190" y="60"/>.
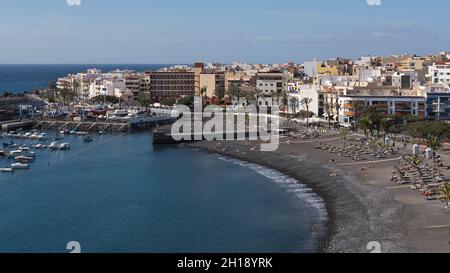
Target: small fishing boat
<point x="15" y="153"/>
<point x="25" y="149"/>
<point x="65" y="146"/>
<point x="54" y="146"/>
<point x="6" y="170"/>
<point x="40" y="146"/>
<point x="20" y="166"/>
<point x="23" y="159"/>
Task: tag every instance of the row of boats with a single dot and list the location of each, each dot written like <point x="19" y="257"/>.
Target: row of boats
<point x="23" y="155"/>
<point x="78" y="133"/>
<point x="27" y="135"/>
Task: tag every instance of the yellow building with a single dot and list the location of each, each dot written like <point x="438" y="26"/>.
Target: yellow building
<point x="327" y="70"/>
<point x="410" y="63"/>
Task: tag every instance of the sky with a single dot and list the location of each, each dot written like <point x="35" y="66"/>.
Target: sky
<point x="186" y="31"/>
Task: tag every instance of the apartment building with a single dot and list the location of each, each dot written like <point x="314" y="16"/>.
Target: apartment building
<point x="272" y="82"/>
<point x="440" y="73"/>
<point x="107" y="87"/>
<point x="239" y="79"/>
<point x="438" y="103"/>
<point x="214" y="84"/>
<point x="171" y="84"/>
<point x="388" y="105"/>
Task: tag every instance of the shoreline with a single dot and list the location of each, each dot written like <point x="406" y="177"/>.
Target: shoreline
<point x="321" y="220"/>
<point x="353" y="209"/>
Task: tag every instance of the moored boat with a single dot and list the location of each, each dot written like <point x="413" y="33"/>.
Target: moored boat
<point x="6" y="170"/>
<point x="54" y="146"/>
<point x="20" y="166"/>
<point x="23" y="159"/>
<point x="65" y="146"/>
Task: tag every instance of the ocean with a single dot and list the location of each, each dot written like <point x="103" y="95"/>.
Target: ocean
<point x="26" y="78"/>
<point x="121" y="194"/>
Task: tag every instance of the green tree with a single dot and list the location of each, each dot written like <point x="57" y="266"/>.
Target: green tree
<point x="144" y="100"/>
<point x="435" y="144"/>
<point x="107" y="99"/>
<point x="188" y="101"/>
<point x="366" y="124"/>
<point x="168" y="102"/>
<point x="306" y="102"/>
<point x="357" y="107"/>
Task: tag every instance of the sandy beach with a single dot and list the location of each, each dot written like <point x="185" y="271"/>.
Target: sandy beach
<point x="363" y="205"/>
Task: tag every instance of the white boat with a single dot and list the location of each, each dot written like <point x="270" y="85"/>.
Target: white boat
<point x="65" y="146"/>
<point x="6" y="170"/>
<point x="40" y="146"/>
<point x="24" y="149"/>
<point x="42" y="136"/>
<point x="13" y="154"/>
<point x="54" y="146"/>
<point x="23" y="158"/>
<point x="20" y="166"/>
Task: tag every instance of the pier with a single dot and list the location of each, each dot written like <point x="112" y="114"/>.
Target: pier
<point x="123" y="126"/>
<point x="13" y="125"/>
<point x="83" y="126"/>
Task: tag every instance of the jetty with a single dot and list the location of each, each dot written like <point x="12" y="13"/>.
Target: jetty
<point x="114" y="126"/>
<point x="83" y="126"/>
<point x="13" y="125"/>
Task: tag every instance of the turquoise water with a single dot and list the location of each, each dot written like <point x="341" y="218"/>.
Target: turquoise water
<point x="119" y="194"/>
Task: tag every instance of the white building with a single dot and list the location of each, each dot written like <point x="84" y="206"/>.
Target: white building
<point x="310" y="67"/>
<point x="107" y="87"/>
<point x="440" y="73"/>
<point x="272" y="84"/>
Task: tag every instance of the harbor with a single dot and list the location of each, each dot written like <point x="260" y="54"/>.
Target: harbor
<point x="21" y="149"/>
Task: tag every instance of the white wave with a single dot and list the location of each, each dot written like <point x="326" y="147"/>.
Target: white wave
<point x="293" y="186"/>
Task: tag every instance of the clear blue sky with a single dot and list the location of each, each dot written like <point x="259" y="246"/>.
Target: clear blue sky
<point x="184" y="31"/>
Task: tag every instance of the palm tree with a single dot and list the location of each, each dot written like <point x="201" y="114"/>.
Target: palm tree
<point x="435" y="144"/>
<point x="445" y="196"/>
<point x="329" y="110"/>
<point x="386" y="124"/>
<point x="75" y="85"/>
<point x="294" y="103"/>
<point x="306" y="102"/>
<point x="235" y="92"/>
<point x="258" y="93"/>
<point x="356" y="106"/>
<point x="374" y="142"/>
<point x="366" y="124"/>
<point x="203" y="92"/>
<point x="219" y="93"/>
<point x="345" y="135"/>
